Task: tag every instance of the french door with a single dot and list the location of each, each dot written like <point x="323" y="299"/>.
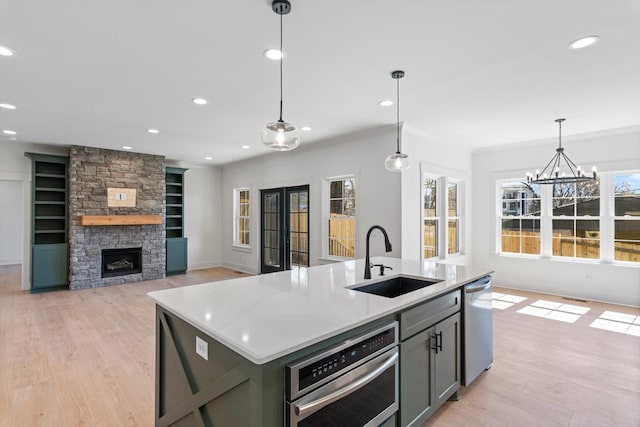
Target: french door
<point x="284" y="228"/>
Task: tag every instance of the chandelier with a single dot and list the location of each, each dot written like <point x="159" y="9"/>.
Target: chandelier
<point x="560" y="169"/>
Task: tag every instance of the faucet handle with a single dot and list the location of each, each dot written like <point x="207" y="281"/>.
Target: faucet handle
<point x="382" y="267"/>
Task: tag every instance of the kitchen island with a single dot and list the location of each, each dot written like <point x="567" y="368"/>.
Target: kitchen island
<point x="222" y="347"/>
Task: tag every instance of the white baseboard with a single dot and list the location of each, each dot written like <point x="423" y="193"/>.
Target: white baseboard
<point x="10" y="261"/>
<point x="238" y="267"/>
<point x="203" y="265"/>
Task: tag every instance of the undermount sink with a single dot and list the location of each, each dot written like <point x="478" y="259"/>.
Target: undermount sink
<point x="395" y="287"/>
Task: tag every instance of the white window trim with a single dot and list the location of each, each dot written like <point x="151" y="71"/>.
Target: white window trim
<point x="443" y="176"/>
<point x="236" y="216"/>
<point x="545" y="252"/>
<point x="326" y="208"/>
<point x="460" y="197"/>
<point x="606" y="218"/>
<point x="437" y="217"/>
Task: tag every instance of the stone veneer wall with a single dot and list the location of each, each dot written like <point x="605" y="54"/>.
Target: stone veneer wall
<point x="91" y="172"/>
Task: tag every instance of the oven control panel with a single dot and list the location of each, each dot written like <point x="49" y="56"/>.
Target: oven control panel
<point x="330" y="364"/>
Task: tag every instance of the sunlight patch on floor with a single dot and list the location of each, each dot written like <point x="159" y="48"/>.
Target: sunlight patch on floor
<point x="503" y="301"/>
<point x="567" y="313"/>
<point x="622" y="323"/>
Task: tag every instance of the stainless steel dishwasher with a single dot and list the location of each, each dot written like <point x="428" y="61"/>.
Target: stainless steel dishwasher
<point x="478" y="329"/>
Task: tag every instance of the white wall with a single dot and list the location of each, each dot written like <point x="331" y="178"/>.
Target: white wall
<point x="377" y="192"/>
<point x="582" y="279"/>
<point x="203" y="187"/>
<point x="442" y="160"/>
<point x="16" y="167"/>
<point x="11" y="221"/>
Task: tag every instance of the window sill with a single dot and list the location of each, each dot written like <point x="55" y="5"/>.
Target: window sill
<point x="240" y="248"/>
<point x="585" y="261"/>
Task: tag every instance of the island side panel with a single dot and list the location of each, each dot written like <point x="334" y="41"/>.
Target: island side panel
<point x="226" y="389"/>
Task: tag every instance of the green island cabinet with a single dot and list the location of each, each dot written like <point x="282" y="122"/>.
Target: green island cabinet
<point x="429" y="357"/>
<point x="49" y="222"/>
<point x="229" y="390"/>
<point x="176" y="242"/>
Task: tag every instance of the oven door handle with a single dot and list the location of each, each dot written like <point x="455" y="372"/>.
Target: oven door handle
<point x="311" y="407"/>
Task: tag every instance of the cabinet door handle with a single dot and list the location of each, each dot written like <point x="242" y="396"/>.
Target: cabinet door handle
<point x="436" y="342"/>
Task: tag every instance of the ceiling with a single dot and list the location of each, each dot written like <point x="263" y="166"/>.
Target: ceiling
<point x="478" y="73"/>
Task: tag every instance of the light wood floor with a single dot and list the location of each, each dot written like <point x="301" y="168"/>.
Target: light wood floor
<point x="86" y="358"/>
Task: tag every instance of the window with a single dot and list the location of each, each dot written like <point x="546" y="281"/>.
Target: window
<point x="576" y="220"/>
<point x="242" y="209"/>
<point x="431" y="218"/>
<point x="341" y="222"/>
<point x="627" y="217"/>
<point x="520" y="217"/>
<point x="441" y="216"/>
<point x="453" y="218"/>
<point x="594" y="220"/>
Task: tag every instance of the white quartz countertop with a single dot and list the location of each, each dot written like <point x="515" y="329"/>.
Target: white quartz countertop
<point x="268" y="316"/>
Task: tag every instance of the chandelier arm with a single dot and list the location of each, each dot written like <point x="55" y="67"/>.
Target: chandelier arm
<point x="572" y="166"/>
<point x="552" y="161"/>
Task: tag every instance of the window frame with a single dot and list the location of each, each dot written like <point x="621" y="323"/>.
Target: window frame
<point x="500" y="217"/>
<point x="443" y="177"/>
<point x="237" y="216"/>
<point x="606" y="220"/>
<point x="614" y="217"/>
<point x="326" y="216"/>
<point x="437" y="217"/>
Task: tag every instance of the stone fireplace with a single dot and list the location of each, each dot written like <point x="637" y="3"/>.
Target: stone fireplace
<point x="91" y="172"/>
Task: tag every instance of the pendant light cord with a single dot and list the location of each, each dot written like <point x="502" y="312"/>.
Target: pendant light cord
<point x="398" y="115"/>
<point x="281" y="58"/>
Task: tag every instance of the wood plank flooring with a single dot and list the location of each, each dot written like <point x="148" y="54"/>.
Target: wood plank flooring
<point x="86" y="358"/>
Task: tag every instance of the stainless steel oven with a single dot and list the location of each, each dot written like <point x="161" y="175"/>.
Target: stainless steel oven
<point x="352" y="384"/>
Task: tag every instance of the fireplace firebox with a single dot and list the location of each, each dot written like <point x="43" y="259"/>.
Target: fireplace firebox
<point x="120" y="262"/>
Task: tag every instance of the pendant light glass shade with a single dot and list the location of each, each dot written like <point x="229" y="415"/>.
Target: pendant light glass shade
<point x="398" y="161"/>
<point x="280" y="135"/>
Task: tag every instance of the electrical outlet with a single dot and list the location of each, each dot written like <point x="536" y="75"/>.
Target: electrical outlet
<point x="589" y="276"/>
<point x="202" y="348"/>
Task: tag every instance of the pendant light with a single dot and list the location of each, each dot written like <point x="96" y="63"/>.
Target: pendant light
<point x="280" y="135"/>
<point x="555" y="172"/>
<point x="397" y="162"/>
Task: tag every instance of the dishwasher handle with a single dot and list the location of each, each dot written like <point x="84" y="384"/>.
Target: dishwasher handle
<point x="320" y="403"/>
<point x="478" y="286"/>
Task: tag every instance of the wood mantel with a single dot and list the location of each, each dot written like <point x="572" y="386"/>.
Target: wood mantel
<point x="120" y="219"/>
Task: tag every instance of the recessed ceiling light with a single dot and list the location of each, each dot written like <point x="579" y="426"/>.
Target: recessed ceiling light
<point x="5" y="51"/>
<point x="246" y="147"/>
<point x="200" y="101"/>
<point x="153" y="131"/>
<point x="583" y="42"/>
<point x="9" y="132"/>
<point x="273" y="54"/>
<point x="208" y="158"/>
<point x="386" y="103"/>
<point x="126" y="147"/>
<point x="305" y="128"/>
<point x="8" y="106"/>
